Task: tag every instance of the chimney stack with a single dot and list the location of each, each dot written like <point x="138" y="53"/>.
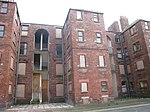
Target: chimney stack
<point x="114" y="27"/>
<point x="124" y="22"/>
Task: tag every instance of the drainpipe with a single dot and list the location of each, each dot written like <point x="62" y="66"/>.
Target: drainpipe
<point x="125" y="66"/>
<point x="17" y="65"/>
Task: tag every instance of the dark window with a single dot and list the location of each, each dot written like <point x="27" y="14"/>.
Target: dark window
<point x="98" y="38"/>
<point x="117" y="39"/>
<point x="104" y="86"/>
<point x="136" y="47"/>
<point x="2" y="31"/>
<point x="4" y="8"/>
<point x="23" y="48"/>
<point x="58" y="50"/>
<point x="126" y="52"/>
<point x="80" y="36"/>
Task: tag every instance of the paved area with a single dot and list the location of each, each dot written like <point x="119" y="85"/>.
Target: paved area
<point x="134" y="108"/>
<point x="38" y="108"/>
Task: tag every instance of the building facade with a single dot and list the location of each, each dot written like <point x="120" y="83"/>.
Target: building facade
<point x="131" y="47"/>
<point x="79" y="62"/>
<point x="9" y="43"/>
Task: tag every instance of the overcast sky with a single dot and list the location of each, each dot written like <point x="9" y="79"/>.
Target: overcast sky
<point x="54" y="12"/>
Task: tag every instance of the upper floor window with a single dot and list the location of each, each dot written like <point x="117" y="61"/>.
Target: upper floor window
<point x="136" y="47"/>
<point x="117" y="39"/>
<point x="119" y="53"/>
<point x="98" y="38"/>
<point x="82" y="61"/>
<point x="80" y="36"/>
<point x="24" y="31"/>
<point x="101" y="61"/>
<point x="2" y="31"/>
<point x="58" y="33"/>
<point x="0" y="56"/>
<point x="140" y="65"/>
<point x="121" y="69"/>
<point x="126" y="52"/>
<point x="133" y="30"/>
<point x="104" y="86"/>
<point x="146" y="25"/>
<point x="41" y="40"/>
<point x="23" y="48"/>
<point x="95" y="17"/>
<point x="4" y="8"/>
<point x="58" y="50"/>
<point x="79" y="15"/>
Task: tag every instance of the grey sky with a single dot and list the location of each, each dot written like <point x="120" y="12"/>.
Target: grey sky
<point x="54" y="12"/>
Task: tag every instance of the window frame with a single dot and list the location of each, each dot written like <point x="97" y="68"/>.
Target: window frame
<point x="135" y="47"/>
<point x="79" y="15"/>
<point x="58" y="49"/>
<point x="119" y="53"/>
<point x="82" y="85"/>
<point x="82" y="64"/>
<point x="98" y="38"/>
<point x="80" y="36"/>
<point x="4" y="9"/>
<point x="2" y="31"/>
<point x="101" y="61"/>
<point x="104" y="88"/>
<point x="25" y="48"/>
<point x="96" y="17"/>
<point x="25" y="34"/>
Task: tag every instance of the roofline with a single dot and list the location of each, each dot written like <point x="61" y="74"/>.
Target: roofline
<point x="41" y="24"/>
<point x="86" y="10"/>
<point x="132" y="24"/>
<point x="79" y="10"/>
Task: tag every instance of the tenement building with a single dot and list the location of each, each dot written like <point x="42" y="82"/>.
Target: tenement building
<point x="79" y="62"/>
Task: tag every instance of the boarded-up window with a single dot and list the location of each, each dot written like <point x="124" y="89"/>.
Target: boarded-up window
<point x="12" y="62"/>
<point x="59" y="90"/>
<point x="101" y="61"/>
<point x="140" y="65"/>
<point x="58" y="33"/>
<point x="20" y="90"/>
<point x="121" y="68"/>
<point x="22" y="68"/>
<point x="59" y="69"/>
<point x="70" y="87"/>
<point x="10" y="89"/>
<point x="82" y="61"/>
<point x="69" y="64"/>
<point x="129" y="68"/>
<point x="84" y="87"/>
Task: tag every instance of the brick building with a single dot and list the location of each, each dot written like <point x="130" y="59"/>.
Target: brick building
<point x="87" y="67"/>
<point x="40" y="76"/>
<point x="79" y="62"/>
<point x="131" y="47"/>
<point x="9" y="41"/>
